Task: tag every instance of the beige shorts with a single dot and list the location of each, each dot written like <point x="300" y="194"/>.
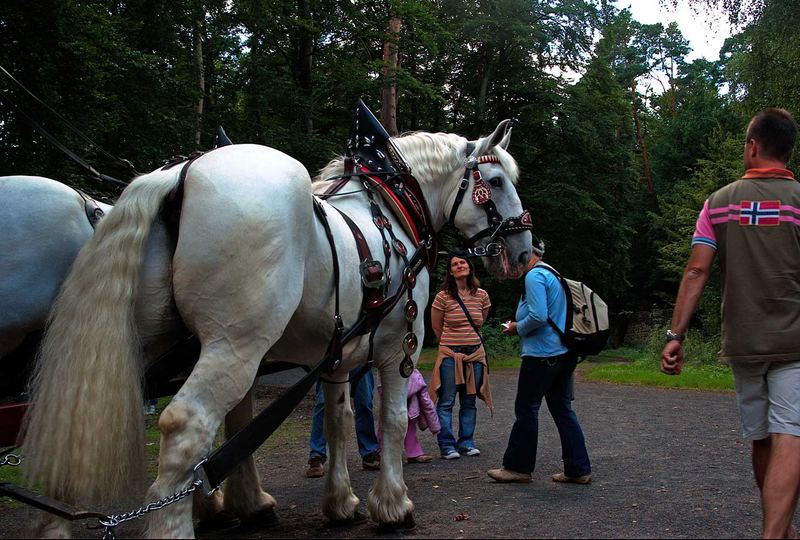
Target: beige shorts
<point x="768" y="396"/>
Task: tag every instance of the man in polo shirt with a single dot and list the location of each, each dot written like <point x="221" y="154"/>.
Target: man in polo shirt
<point x="753" y="225"/>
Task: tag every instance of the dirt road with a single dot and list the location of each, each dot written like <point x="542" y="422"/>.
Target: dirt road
<point x="666" y="463"/>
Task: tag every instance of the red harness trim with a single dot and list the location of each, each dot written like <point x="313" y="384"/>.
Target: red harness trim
<point x="398" y="208"/>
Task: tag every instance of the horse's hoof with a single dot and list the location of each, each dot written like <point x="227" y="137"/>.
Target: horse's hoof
<point x="221" y="520"/>
<point x="263" y="518"/>
<point x="356" y="519"/>
<point x="407" y="524"/>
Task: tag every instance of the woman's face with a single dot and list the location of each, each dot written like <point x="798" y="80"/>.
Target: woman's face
<point x="459" y="267"/>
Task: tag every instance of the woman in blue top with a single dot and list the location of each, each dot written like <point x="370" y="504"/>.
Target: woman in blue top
<point x="546" y="371"/>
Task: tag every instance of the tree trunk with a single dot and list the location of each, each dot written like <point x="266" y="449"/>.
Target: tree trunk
<point x="305" y="57"/>
<point x="640" y="138"/>
<point x="199" y="73"/>
<point x="389" y="101"/>
<point x="485" y="75"/>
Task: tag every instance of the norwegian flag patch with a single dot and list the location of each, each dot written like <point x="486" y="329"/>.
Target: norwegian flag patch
<point x="760" y="213"/>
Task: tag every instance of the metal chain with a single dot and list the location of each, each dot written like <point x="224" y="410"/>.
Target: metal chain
<point x="114" y="520"/>
<point x="12" y="460"/>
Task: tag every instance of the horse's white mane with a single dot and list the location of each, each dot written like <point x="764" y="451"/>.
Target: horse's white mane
<point x="430" y="155"/>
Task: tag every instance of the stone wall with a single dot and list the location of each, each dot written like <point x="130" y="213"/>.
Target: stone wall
<point x="636" y="327"/>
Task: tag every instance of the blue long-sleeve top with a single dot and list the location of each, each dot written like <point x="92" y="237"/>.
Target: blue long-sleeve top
<point x="543" y="297"/>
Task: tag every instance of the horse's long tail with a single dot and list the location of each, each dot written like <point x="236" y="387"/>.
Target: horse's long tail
<point x="85" y="432"/>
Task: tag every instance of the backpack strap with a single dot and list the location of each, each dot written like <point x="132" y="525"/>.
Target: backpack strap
<point x="570" y="306"/>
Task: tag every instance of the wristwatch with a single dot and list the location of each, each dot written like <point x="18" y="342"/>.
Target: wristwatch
<point x="672" y="336"/>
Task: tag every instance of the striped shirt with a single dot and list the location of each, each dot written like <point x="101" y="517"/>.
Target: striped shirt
<point x="456" y="329"/>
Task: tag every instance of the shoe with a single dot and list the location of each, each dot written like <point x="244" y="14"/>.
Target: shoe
<point x="505" y="476"/>
<point x="151" y="409"/>
<point x="372" y="462"/>
<point x="424" y="458"/>
<point x="471" y="451"/>
<point x="561" y="477"/>
<point x="452" y="454"/>
<point x="316" y="468"/>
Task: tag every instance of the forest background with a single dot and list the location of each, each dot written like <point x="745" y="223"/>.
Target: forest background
<point x="614" y="166"/>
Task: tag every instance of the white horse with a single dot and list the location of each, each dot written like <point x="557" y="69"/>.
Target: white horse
<point x="45" y="223"/>
<point x="242" y="261"/>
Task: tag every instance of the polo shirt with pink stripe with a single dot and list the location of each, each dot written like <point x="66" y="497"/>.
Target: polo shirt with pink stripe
<point x="754" y="224"/>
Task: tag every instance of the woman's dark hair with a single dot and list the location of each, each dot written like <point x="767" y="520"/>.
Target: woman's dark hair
<point x="451" y="286"/>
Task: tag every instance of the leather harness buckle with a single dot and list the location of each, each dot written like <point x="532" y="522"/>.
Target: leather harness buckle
<point x="372" y="274"/>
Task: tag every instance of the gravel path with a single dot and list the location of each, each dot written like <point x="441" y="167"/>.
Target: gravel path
<point x="666" y="463"/>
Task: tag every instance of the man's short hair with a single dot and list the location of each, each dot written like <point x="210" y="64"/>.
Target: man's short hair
<point x="776" y="131"/>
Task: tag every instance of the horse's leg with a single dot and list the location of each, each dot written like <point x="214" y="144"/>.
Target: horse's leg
<point x="189" y="424"/>
<point x="388" y="501"/>
<point x="210" y="511"/>
<point x="244" y="497"/>
<point x="339" y="503"/>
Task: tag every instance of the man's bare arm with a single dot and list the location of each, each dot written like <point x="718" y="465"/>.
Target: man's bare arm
<point x="695" y="277"/>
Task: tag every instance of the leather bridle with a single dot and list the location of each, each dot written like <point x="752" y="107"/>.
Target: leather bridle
<point x="482" y="196"/>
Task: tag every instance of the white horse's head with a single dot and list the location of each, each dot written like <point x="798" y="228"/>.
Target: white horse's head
<point x="473" y="187"/>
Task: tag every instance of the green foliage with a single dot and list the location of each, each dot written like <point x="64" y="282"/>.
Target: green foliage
<point x="698" y="348"/>
<point x="499" y="345"/>
<point x="642" y="368"/>
<point x="286" y="73"/>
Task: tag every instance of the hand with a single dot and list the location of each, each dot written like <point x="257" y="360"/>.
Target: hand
<point x="511" y="329"/>
<point x="672" y="358"/>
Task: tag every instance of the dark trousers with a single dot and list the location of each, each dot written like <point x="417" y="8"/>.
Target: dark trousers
<point x="551" y="378"/>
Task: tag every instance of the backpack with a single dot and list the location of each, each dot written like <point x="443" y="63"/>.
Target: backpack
<point x="587" y="318"/>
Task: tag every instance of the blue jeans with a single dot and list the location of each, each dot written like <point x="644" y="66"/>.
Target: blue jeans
<point x="365" y="422"/>
<point x="551" y="378"/>
<point x="467" y="412"/>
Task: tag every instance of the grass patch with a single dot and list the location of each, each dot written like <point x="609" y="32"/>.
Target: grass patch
<point x="13" y="475"/>
<point x="634" y="366"/>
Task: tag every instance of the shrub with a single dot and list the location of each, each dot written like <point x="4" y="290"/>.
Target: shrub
<point x="497" y="343"/>
<point x="698" y="348"/>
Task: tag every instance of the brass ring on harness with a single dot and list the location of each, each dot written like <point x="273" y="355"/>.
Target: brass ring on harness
<point x="411" y="311"/>
<point x="410" y="343"/>
<point x="411" y="278"/>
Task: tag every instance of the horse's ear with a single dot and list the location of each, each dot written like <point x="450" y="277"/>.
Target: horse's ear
<point x="506" y="139"/>
<point x="485" y="144"/>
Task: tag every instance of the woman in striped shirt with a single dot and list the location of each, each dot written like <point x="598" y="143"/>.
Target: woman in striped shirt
<point x="461" y="363"/>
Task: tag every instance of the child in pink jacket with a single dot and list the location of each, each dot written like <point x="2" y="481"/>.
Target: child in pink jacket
<point x="421" y="414"/>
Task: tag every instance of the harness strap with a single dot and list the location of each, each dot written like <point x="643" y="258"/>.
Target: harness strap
<point x="373" y="277"/>
<point x="69" y="153"/>
<point x="462" y="189"/>
<point x="221" y="463"/>
<point x="333" y="356"/>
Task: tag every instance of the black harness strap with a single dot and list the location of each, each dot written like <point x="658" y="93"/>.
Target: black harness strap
<point x="373" y="274"/>
<point x="69" y="153"/>
<point x="222" y="462"/>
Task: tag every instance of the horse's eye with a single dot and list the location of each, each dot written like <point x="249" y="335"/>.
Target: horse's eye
<point x="497" y="181"/>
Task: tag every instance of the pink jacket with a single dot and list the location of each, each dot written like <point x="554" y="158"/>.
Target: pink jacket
<point x="420" y="404"/>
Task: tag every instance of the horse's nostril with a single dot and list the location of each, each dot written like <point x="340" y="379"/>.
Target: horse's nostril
<point x="523" y="257"/>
